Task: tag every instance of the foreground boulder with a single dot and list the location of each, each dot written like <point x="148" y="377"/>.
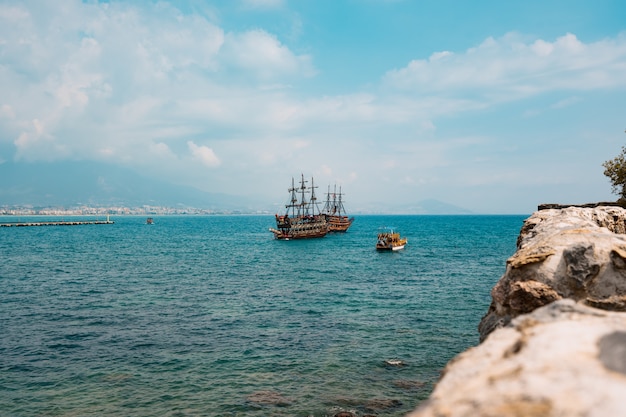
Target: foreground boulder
<point x="553" y="342"/>
<point x="564" y="359"/>
<point x="574" y="252"/>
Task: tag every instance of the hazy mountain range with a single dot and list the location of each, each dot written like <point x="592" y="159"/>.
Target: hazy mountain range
<point x="97" y="184"/>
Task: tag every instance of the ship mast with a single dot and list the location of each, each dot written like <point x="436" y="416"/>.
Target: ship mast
<point x="327" y="206"/>
<point x="339" y="203"/>
<point x="298" y="205"/>
<point x="314" y="199"/>
<point x="303" y="210"/>
<point x="294" y="199"/>
<point x="334" y="206"/>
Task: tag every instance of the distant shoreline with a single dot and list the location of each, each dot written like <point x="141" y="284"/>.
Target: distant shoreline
<point x="53" y="223"/>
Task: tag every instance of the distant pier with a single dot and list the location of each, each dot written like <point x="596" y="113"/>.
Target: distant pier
<point x="56" y="223"/>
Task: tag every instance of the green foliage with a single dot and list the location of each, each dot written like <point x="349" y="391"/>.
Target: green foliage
<point x="615" y="169"/>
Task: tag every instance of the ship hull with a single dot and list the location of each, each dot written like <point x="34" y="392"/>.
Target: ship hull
<point x="338" y="223"/>
<point x="292" y="235"/>
<point x="300" y="228"/>
<point x="390" y="248"/>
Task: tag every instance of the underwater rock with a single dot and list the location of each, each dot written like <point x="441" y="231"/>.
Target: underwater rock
<point x="268" y="398"/>
<point x="345" y="414"/>
<point x="379" y="404"/>
<point x="408" y="384"/>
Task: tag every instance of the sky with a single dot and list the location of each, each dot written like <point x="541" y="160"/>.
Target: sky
<point x="493" y="106"/>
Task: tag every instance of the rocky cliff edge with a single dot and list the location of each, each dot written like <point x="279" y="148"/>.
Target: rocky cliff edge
<point x="553" y="342"/>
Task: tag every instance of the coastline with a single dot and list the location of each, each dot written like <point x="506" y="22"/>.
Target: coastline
<point x="55" y="223"/>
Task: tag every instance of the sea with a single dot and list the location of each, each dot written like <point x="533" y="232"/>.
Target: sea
<point x="211" y="316"/>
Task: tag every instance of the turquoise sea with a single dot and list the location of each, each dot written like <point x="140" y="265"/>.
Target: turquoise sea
<point x="210" y="316"/>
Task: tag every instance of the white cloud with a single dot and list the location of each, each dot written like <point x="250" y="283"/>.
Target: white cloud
<point x="6" y="111"/>
<point x="261" y="53"/>
<point x="204" y="154"/>
<point x="439" y="56"/>
<point x="77" y="80"/>
<point x="509" y="68"/>
<point x="13" y="13"/>
<point x="139" y="83"/>
<point x="35" y="143"/>
<point x="122" y="76"/>
<point x="326" y="170"/>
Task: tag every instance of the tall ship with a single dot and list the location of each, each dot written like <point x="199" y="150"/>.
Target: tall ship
<point x="335" y="213"/>
<point x="303" y="218"/>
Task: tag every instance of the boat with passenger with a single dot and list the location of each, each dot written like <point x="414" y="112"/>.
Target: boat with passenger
<point x="389" y="240"/>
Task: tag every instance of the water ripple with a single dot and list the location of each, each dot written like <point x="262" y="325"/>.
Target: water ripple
<point x="167" y="320"/>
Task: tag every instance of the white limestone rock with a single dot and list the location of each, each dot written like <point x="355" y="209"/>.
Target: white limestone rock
<point x="574" y="252"/>
<point x="562" y="360"/>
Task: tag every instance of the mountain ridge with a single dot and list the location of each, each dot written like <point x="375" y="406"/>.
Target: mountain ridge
<point x="96" y="184"/>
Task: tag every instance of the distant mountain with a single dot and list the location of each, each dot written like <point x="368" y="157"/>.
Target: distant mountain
<point x="103" y="185"/>
<point x="429" y="206"/>
<point x="98" y="184"/>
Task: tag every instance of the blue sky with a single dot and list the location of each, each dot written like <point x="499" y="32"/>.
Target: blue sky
<point x="489" y="105"/>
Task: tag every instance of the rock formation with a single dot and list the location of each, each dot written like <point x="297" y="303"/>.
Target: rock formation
<point x="574" y="252"/>
<point x="553" y="342"/>
<point x="564" y="359"/>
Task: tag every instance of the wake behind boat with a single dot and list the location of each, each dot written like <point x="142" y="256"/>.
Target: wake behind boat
<point x="390" y="240"/>
<point x="303" y="218"/>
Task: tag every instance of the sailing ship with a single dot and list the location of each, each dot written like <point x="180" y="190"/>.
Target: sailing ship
<point x="390" y="240"/>
<point x="335" y="213"/>
<point x="303" y="218"/>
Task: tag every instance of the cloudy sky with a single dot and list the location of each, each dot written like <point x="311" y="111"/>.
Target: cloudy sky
<point x="494" y="106"/>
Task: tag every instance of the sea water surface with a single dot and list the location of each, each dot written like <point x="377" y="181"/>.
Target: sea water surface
<point x="210" y="316"/>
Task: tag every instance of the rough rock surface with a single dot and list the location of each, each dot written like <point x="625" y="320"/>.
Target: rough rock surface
<point x="553" y="342"/>
<point x="574" y="252"/>
<point x="562" y="360"/>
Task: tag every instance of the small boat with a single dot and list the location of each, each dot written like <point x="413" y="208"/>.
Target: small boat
<point x="303" y="218"/>
<point x="390" y="240"/>
<point x="335" y="213"/>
